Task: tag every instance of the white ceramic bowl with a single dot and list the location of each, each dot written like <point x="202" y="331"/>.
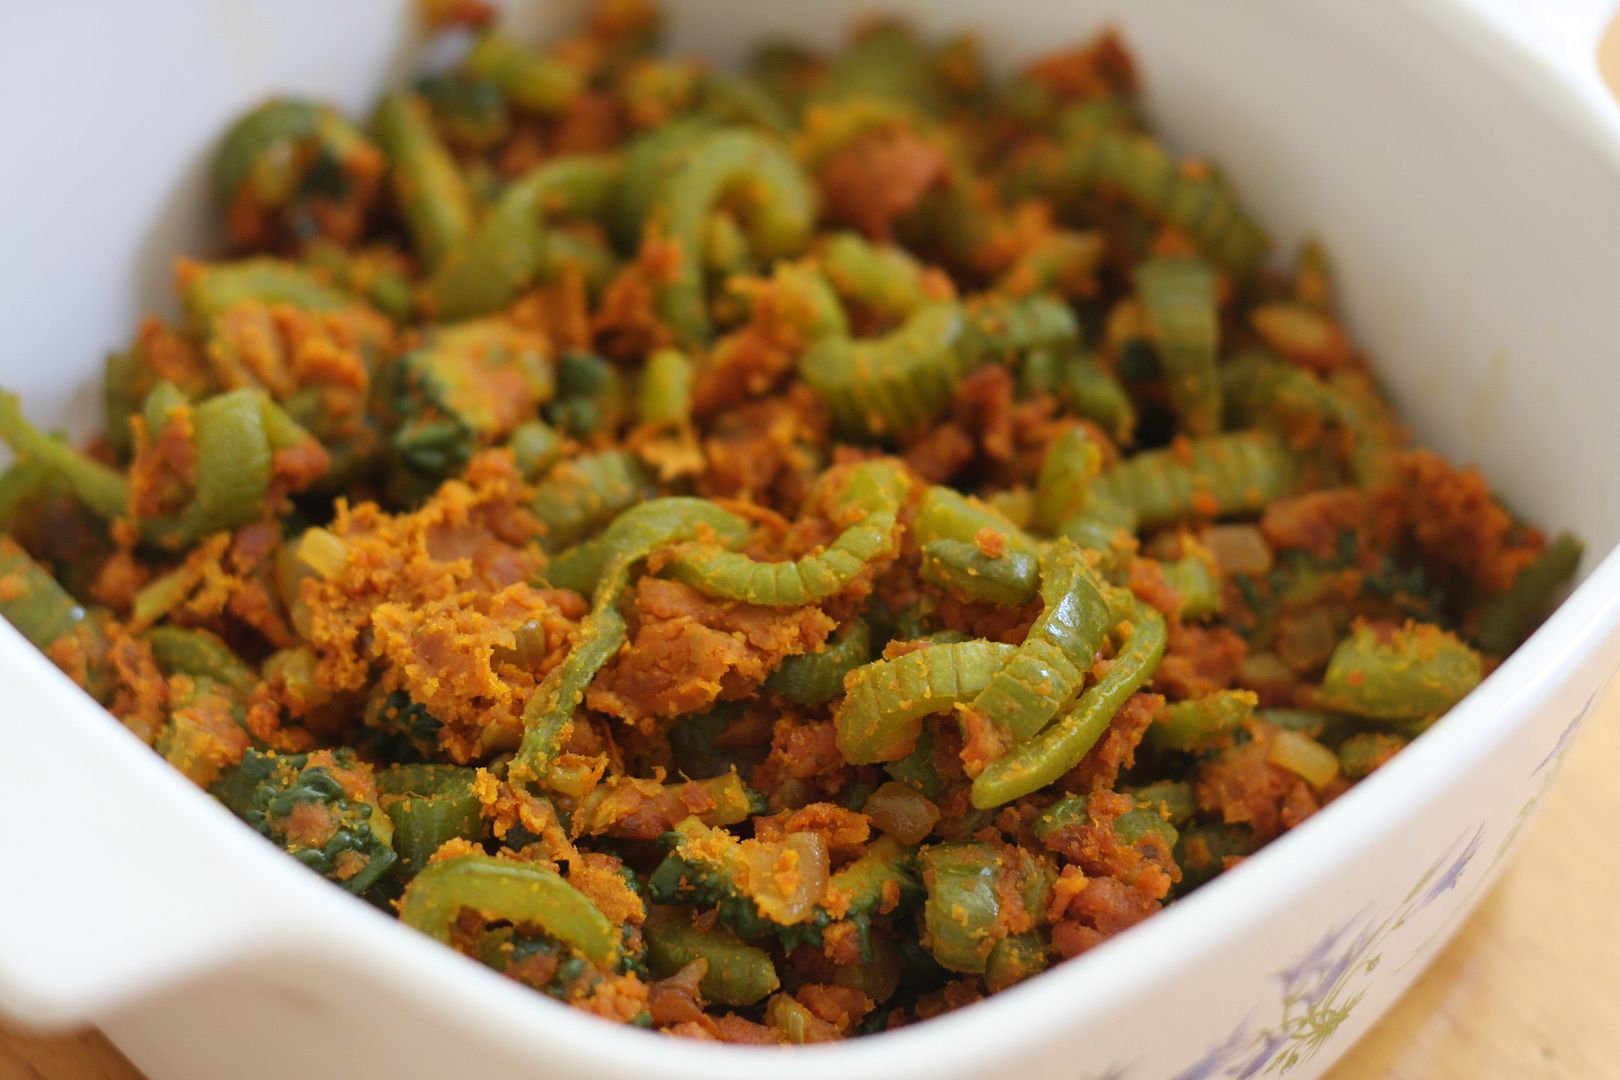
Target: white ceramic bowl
<point x="1457" y="156"/>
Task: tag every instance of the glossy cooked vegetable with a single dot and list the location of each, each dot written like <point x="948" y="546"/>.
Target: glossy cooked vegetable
<point x="523" y="893"/>
<point x="872" y="494"/>
<point x="764" y="556"/>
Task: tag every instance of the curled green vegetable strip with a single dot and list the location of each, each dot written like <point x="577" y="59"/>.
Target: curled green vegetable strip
<point x="1364" y="752"/>
<point x="880" y="882"/>
<point x="434" y="198"/>
<point x="200" y="653"/>
<point x="886" y="700"/>
<point x="192" y="741"/>
<point x="1064" y="814"/>
<point x="966" y="883"/>
<point x="886" y="279"/>
<point x="506" y="252"/>
<point x="233" y="433"/>
<point x="590" y="395"/>
<point x="890" y="63"/>
<point x="261" y="148"/>
<point x="864" y="882"/>
<point x="126" y="377"/>
<point x="550" y="709"/>
<point x="32" y="600"/>
<point x="470" y="111"/>
<point x="233" y="468"/>
<point x="916" y="770"/>
<point x="806" y="580"/>
<point x="737" y="973"/>
<point x="1414" y="673"/>
<point x="1508" y="618"/>
<point x="1221" y="476"/>
<point x="287" y="153"/>
<point x="1071" y="464"/>
<point x="1171" y="800"/>
<point x="578" y="568"/>
<point x="732" y="99"/>
<point x="1032" y="765"/>
<point x="1097" y="395"/>
<point x="160" y="401"/>
<point x="1064" y="261"/>
<point x="1015" y="958"/>
<point x="1144" y="821"/>
<point x="377" y="279"/>
<point x="1261" y="390"/>
<point x="771" y="195"/>
<point x="947" y="514"/>
<point x="213" y="289"/>
<point x="522" y="893"/>
<point x="1194" y="199"/>
<point x="1051" y="663"/>
<point x="574" y="246"/>
<point x="1104" y="528"/>
<point x="633" y="536"/>
<point x="1204" y="849"/>
<point x="648" y="160"/>
<point x="1178" y="302"/>
<point x="1322" y="726"/>
<point x="104" y="490"/>
<point x="808" y="292"/>
<point x="1201" y="722"/>
<point x="430" y="805"/>
<point x="817" y="678"/>
<point x="534" y="80"/>
<point x="964" y="903"/>
<point x="536" y="446"/>
<point x="875" y="488"/>
<point x="893" y="384"/>
<point x="581" y="495"/>
<point x="20" y="484"/>
<point x="1129" y="827"/>
<point x="1011" y="578"/>
<point x="698" y="749"/>
<point x="997" y="327"/>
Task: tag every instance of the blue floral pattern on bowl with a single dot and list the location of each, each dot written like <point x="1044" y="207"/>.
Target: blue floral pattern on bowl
<point x="1320" y="990"/>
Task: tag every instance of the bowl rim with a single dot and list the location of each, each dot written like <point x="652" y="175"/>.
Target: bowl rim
<point x="313" y="921"/>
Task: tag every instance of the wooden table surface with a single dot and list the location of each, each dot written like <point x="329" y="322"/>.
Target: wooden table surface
<point x="1526" y="991"/>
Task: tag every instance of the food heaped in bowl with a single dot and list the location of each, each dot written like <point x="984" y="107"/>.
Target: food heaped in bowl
<point x="447" y="625"/>
<point x="766" y="557"/>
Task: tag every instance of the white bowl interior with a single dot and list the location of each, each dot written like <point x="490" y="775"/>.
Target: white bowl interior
<point x="1472" y="227"/>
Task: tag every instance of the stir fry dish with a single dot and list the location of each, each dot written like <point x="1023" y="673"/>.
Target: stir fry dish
<point x="767" y="557"/>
